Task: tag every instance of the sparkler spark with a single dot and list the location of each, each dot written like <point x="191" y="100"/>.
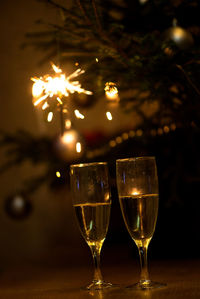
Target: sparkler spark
<point x="59" y="86"/>
<point x="78" y="114"/>
<point x="109" y="115"/>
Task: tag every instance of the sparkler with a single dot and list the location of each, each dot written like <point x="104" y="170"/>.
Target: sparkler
<point x="58" y="86"/>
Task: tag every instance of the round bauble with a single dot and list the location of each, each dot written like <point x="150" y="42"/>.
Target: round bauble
<point x="18" y="206"/>
<point x="69" y="146"/>
<point x="180" y="36"/>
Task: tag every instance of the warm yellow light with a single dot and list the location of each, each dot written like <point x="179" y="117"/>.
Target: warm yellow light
<point x="132" y="133"/>
<point x="119" y="139"/>
<point x="173" y="127"/>
<point x="45" y="106"/>
<point x="50" y="117"/>
<point x="139" y="132"/>
<point x="143" y="1"/>
<point x="135" y="191"/>
<point x="37" y="88"/>
<point x="58" y="174"/>
<point x="58" y="85"/>
<point x="97" y="60"/>
<point x="111" y="91"/>
<point x="59" y="100"/>
<point x="178" y="33"/>
<point x="65" y="110"/>
<point x="78" y="114"/>
<point x="112" y="143"/>
<point x="125" y="136"/>
<point x="160" y="131"/>
<point x="68" y="137"/>
<point x="56" y="69"/>
<point x="109" y="115"/>
<point x="166" y="129"/>
<point x="68" y="124"/>
<point x="41" y="99"/>
<point x="78" y="147"/>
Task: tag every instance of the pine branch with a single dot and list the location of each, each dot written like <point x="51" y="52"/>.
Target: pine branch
<point x="107" y="38"/>
<point x="54" y="4"/>
<point x="188" y="79"/>
<point x="97" y="16"/>
<point x="88" y="22"/>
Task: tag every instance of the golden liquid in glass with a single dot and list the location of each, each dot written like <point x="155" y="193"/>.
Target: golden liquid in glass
<point x="140" y="215"/>
<point x="93" y="219"/>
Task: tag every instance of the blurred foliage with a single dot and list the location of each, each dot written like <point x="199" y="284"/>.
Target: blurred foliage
<point x="134" y="49"/>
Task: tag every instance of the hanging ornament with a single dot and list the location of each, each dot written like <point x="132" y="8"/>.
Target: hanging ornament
<point x="18" y="206"/>
<point x="143" y="1"/>
<point x="180" y="36"/>
<point x="69" y="146"/>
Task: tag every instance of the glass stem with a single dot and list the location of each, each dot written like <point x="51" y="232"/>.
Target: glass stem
<point x="144" y="276"/>
<point x="96" y="259"/>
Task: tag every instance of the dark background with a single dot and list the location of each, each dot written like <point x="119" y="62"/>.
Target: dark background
<point x="49" y="235"/>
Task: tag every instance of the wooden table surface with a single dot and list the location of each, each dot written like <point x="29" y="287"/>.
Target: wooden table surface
<point x="182" y="278"/>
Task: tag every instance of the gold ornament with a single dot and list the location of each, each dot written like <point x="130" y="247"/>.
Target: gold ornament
<point x="181" y="37"/>
<point x="69" y="146"/>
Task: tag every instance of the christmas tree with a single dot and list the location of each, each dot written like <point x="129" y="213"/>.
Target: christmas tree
<point x="141" y="56"/>
<point x="148" y="49"/>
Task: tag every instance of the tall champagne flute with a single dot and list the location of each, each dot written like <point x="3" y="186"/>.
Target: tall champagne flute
<point x="92" y="203"/>
<point x="137" y="184"/>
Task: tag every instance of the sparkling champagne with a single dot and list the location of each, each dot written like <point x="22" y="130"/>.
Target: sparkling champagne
<point x="93" y="219"/>
<point x="140" y="214"/>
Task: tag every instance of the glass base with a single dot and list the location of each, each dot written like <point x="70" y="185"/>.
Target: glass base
<point x="99" y="285"/>
<point x="146" y="285"/>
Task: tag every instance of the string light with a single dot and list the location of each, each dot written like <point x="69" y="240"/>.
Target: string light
<point x="139" y="132"/>
<point x="112" y="143"/>
<point x="131" y="133"/>
<point x="119" y="139"/>
<point x="127" y="135"/>
<point x="166" y="129"/>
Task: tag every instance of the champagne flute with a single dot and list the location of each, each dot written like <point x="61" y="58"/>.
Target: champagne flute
<point x="92" y="203"/>
<point x="137" y="184"/>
